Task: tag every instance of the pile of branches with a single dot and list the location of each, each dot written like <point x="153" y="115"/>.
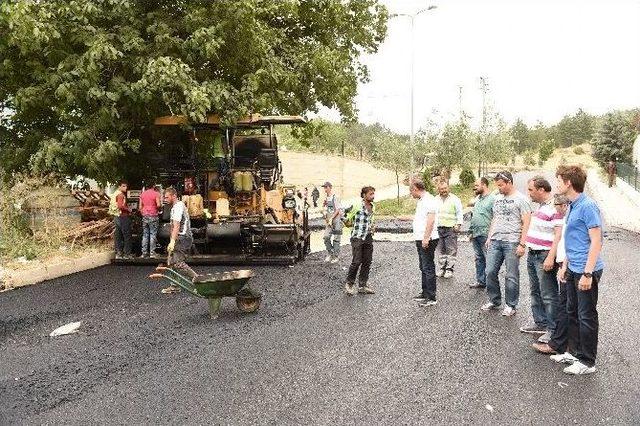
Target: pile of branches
<point x="95" y="230"/>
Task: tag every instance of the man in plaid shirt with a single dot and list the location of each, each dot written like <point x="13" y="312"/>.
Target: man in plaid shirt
<point x="361" y="243"/>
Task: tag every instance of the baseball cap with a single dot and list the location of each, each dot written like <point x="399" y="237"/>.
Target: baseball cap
<point x="327" y="184"/>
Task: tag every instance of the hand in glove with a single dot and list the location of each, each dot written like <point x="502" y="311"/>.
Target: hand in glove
<point x="171" y="246"/>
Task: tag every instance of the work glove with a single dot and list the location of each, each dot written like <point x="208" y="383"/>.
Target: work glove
<point x="171" y="246"/>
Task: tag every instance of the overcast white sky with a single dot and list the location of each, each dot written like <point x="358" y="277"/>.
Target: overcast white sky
<point x="542" y="58"/>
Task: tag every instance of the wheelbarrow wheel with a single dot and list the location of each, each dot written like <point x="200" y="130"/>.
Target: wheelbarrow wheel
<point x="248" y="304"/>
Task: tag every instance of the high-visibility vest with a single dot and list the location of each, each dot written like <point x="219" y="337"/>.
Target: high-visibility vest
<point x="447" y="213"/>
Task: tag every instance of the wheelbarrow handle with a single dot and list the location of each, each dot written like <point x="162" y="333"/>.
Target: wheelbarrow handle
<point x="180" y="283"/>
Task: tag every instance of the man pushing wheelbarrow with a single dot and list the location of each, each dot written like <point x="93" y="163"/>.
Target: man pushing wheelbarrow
<point x="181" y="238"/>
<point x="212" y="287"/>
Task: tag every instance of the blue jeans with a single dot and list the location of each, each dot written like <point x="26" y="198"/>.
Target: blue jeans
<point x="149" y="234"/>
<point x="480" y="250"/>
<point x="544" y="290"/>
<point x="428" y="268"/>
<point x="503" y="252"/>
<point x="332" y="238"/>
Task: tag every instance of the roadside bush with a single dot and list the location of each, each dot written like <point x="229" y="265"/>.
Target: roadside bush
<point x="578" y="150"/>
<point x="530" y="158"/>
<point x="19" y="237"/>
<point x="467" y="178"/>
<point x="546" y="149"/>
<point x="427" y="178"/>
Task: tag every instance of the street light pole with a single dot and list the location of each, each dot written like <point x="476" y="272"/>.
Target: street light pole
<point x="412" y="17"/>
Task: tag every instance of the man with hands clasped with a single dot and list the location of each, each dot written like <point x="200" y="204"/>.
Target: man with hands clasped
<point x="425" y="234"/>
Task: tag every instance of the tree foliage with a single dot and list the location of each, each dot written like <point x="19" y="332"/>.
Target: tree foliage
<point x="83" y="79"/>
<point x="615" y="137"/>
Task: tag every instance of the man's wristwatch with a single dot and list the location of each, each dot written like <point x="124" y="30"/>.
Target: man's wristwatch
<point x="587" y="274"/>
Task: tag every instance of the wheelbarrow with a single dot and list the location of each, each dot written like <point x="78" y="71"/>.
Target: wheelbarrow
<point x="214" y="287"/>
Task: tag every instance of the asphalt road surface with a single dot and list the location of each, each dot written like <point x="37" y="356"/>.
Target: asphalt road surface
<point x="311" y="354"/>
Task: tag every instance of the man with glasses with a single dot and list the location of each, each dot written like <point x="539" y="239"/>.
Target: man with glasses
<point x="506" y="243"/>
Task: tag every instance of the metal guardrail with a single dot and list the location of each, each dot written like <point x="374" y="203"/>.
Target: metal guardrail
<point x="630" y="174"/>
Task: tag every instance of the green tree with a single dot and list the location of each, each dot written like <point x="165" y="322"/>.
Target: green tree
<point x="395" y="154"/>
<point x="453" y="147"/>
<point x="615" y="138"/>
<point x="521" y="135"/>
<point x="546" y="150"/>
<point x="84" y="79"/>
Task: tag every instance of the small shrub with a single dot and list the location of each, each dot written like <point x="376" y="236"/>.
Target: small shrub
<point x="467" y="178"/>
<point x="427" y="178"/>
<point x="578" y="150"/>
<point x="530" y="158"/>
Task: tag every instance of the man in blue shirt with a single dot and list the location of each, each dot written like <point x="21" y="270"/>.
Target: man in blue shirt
<point x="583" y="268"/>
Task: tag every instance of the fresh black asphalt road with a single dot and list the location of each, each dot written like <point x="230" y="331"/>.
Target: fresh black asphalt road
<point x="311" y="354"/>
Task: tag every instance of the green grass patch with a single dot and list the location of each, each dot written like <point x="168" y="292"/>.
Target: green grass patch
<point x="407" y="205"/>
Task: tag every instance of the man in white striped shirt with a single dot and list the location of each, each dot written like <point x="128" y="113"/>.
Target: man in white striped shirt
<point x="542" y="240"/>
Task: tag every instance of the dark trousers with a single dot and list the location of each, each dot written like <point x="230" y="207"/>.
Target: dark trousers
<point x="560" y="338"/>
<point x="178" y="257"/>
<point x="122" y="235"/>
<point x="362" y="256"/>
<point x="583" y="317"/>
<point x="428" y="268"/>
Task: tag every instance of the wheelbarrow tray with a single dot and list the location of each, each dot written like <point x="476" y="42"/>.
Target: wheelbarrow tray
<point x="221" y="284"/>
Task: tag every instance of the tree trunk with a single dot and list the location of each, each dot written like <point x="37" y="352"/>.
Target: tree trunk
<point x="398" y="187"/>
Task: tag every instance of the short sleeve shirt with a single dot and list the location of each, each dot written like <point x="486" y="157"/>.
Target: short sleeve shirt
<point x="583" y="215"/>
<point x="507" y="215"/>
<point x="426" y="204"/>
<point x="179" y="214"/>
<point x="482" y="215"/>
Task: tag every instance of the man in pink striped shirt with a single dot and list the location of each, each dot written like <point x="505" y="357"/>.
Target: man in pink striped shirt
<point x="542" y="240"/>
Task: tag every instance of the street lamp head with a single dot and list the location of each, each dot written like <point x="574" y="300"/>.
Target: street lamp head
<point x="433" y="6"/>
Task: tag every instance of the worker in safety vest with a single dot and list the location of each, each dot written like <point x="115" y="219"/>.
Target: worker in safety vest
<point x="121" y="213"/>
<point x="450" y="218"/>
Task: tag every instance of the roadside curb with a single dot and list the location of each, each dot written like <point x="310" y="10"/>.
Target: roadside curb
<point x="16" y="279"/>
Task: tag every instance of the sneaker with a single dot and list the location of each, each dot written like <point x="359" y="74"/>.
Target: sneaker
<point x="489" y="306"/>
<point x="144" y="256"/>
<point x="334" y="260"/>
<point x="366" y="290"/>
<point x="156" y="256"/>
<point x="545" y="338"/>
<point x="477" y="285"/>
<point x="428" y="303"/>
<point x="171" y="289"/>
<point x="533" y="329"/>
<point x="448" y="273"/>
<point x="565" y="358"/>
<point x="543" y="348"/>
<point x="327" y="259"/>
<point x="420" y="298"/>
<point x="440" y="273"/>
<point x="579" y="369"/>
<point x="508" y="311"/>
<point x="350" y="289"/>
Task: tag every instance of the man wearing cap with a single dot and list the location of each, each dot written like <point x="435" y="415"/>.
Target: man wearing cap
<point x="506" y="243"/>
<point x="333" y="219"/>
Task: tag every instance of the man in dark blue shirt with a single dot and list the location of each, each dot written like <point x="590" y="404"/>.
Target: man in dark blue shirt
<point x="583" y="268"/>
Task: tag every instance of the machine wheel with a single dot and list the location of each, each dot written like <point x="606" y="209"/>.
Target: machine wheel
<point x="248" y="304"/>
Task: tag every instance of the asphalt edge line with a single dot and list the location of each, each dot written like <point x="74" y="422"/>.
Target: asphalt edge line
<point x="19" y="279"/>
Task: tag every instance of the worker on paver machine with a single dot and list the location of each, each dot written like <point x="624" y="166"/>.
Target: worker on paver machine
<point x="181" y="238"/>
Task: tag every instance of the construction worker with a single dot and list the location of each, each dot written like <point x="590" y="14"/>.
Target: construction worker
<point x="181" y="238"/>
<point x="450" y="218"/>
<point x="121" y="213"/>
<point x="333" y="219"/>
